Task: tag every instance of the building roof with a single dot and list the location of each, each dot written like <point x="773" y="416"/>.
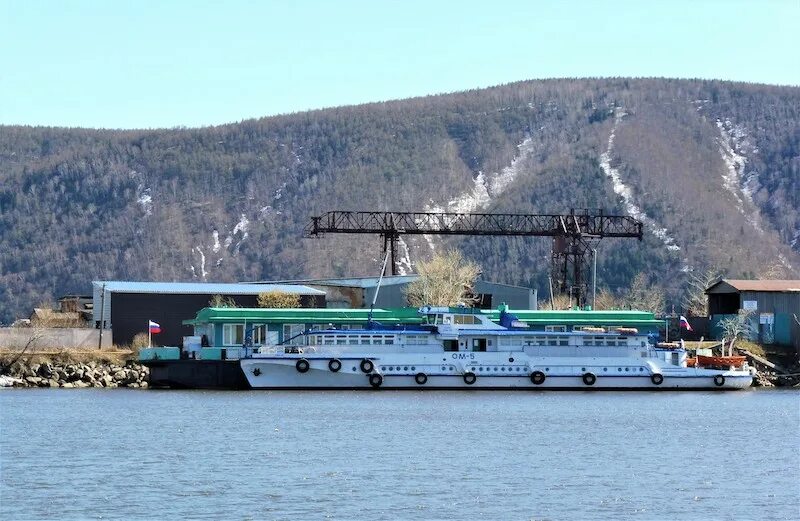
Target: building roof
<point x="371" y="282"/>
<point x="202" y="288"/>
<point x="353" y="282"/>
<point x="733" y="285"/>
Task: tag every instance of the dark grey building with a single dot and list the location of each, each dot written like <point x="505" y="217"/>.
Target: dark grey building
<point x="358" y="292"/>
<point x="774" y="306"/>
<point x="126" y="307"/>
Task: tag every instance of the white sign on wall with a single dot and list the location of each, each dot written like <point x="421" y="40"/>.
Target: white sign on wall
<point x="766" y="318"/>
<point x="750" y="305"/>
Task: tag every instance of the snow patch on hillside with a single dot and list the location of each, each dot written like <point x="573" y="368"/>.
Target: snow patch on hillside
<point x="404" y="266"/>
<point x="216" y="246"/>
<point x="734" y="147"/>
<point x="145" y="200"/>
<point x="624" y="191"/>
<point x="796" y="240"/>
<point x="485" y="188"/>
<point x="203" y="272"/>
<point x="242" y="228"/>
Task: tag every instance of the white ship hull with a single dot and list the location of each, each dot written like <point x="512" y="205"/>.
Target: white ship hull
<point x="401" y="371"/>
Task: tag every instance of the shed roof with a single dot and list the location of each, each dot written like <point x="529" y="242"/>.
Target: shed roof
<point x="371" y="282"/>
<point x="202" y="288"/>
<point x="734" y="285"/>
<point x="353" y="282"/>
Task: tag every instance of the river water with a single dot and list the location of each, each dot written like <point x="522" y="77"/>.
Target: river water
<point x="147" y="454"/>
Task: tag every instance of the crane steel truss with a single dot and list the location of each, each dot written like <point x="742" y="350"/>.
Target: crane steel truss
<point x="574" y="234"/>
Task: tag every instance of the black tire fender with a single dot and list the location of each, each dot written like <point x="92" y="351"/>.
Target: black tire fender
<point x="302" y="366"/>
<point x="366" y="366"/>
<point x="375" y="380"/>
<point x="334" y="365"/>
<point x="470" y="378"/>
<point x="421" y="378"/>
<point x="719" y="380"/>
<point x="657" y="378"/>
<point x="538" y="378"/>
<point x="589" y="378"/>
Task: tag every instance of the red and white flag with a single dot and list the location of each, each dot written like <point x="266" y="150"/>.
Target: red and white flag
<point x="685" y="324"/>
<point x="154" y="327"/>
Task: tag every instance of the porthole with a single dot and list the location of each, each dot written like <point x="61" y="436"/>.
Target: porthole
<point x="619" y="369"/>
<point x="354" y="369"/>
<point x="641" y="369"/>
<point x="443" y="368"/>
<point x="405" y="368"/>
<point x="502" y="368"/>
<point x="510" y="359"/>
<point x="627" y="369"/>
<point x="383" y="368"/>
<point x="413" y="368"/>
<point x="519" y="369"/>
<point x="583" y="369"/>
<point x="546" y="368"/>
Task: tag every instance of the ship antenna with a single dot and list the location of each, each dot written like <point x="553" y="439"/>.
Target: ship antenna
<point x="377" y="288"/>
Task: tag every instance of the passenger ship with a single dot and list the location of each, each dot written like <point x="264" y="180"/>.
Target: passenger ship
<point x="456" y="348"/>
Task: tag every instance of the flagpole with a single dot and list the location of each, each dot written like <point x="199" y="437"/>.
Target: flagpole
<point x="149" y="336"/>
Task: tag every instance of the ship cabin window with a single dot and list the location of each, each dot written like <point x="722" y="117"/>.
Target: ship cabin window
<point x="232" y="334"/>
<point x="467" y="319"/>
<point x="556" y="329"/>
<point x="291" y="330"/>
<point x="479" y="344"/>
<point x="450" y="345"/>
<point x="415" y="340"/>
<point x="259" y="334"/>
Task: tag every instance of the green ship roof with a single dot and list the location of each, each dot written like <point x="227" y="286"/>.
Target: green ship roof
<point x="642" y="319"/>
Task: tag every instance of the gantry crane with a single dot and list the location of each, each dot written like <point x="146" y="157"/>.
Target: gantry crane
<point x="574" y="234"/>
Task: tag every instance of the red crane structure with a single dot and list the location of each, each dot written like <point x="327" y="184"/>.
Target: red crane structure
<point x="575" y="234"/>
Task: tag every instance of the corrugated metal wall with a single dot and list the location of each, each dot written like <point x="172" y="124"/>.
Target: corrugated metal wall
<point x="516" y="297"/>
<point x="774" y="302"/>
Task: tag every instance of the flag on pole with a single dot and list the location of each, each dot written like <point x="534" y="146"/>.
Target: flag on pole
<point x="685" y="324"/>
<point x="154" y="327"/>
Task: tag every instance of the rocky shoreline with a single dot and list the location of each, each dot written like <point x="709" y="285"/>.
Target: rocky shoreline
<point x="74" y="375"/>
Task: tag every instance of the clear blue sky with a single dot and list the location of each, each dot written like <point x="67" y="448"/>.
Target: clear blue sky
<point x="127" y="64"/>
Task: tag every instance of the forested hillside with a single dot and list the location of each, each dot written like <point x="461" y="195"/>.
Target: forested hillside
<point x="713" y="168"/>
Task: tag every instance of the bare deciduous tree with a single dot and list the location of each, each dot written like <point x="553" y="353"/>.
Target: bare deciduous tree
<point x="218" y="301"/>
<point x="445" y="280"/>
<point x="606" y="300"/>
<point x="645" y="296"/>
<point x="278" y="299"/>
<point x="739" y="326"/>
<point x="696" y="301"/>
<point x="560" y="301"/>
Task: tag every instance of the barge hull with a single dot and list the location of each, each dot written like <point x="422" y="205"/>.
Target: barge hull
<point x="197" y="374"/>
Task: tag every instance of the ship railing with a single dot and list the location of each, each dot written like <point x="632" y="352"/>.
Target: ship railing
<point x="284" y="349"/>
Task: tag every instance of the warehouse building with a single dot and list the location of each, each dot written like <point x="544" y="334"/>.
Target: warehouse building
<point x="125" y="307"/>
<point x="774" y="306"/>
<point x="358" y="292"/>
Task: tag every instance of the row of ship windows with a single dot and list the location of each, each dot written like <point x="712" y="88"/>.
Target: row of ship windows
<point x="559" y="341"/>
<point x="340" y="340"/>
